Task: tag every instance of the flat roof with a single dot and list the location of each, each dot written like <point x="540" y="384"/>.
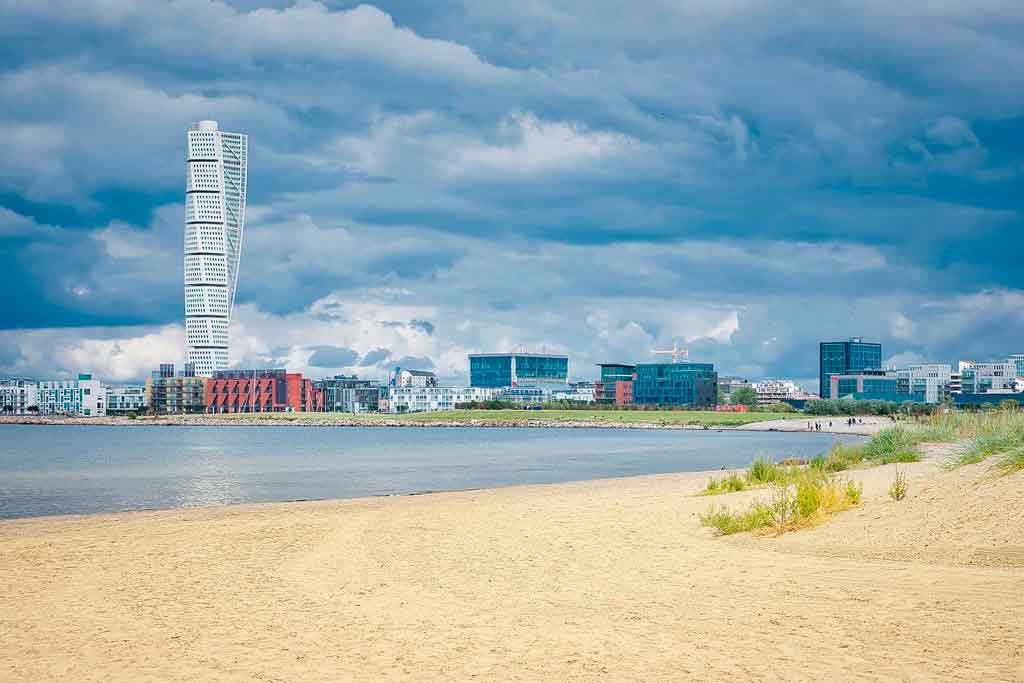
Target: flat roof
<point x="615" y="365"/>
<point x="516" y="353"/>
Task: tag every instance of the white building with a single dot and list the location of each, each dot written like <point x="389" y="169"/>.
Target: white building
<point x="983" y="378"/>
<point x="413" y="378"/>
<point x="1018" y="363"/>
<point x="934" y="380"/>
<point x="17" y="396"/>
<point x="772" y="391"/>
<point x="125" y="399"/>
<point x="84" y="397"/>
<point x="424" y="399"/>
<point x="579" y="392"/>
<point x="529" y="395"/>
<point x="214" y="225"/>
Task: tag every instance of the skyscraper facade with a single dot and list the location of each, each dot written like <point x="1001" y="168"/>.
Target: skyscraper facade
<point x="214" y="225"/>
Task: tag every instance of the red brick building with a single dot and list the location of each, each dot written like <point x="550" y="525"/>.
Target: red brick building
<point x="261" y="391"/>
<point x="624" y="393"/>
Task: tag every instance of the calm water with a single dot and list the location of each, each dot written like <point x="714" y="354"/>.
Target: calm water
<point x="49" y="470"/>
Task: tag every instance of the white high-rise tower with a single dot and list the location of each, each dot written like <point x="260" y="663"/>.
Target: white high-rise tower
<point x="214" y="223"/>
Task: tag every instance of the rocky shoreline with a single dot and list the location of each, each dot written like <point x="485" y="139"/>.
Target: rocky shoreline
<point x="870" y="425"/>
<point x="336" y="420"/>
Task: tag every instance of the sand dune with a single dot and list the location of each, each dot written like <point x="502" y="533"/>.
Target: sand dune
<point x="609" y="580"/>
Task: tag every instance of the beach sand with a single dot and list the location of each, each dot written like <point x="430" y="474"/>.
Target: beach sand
<point x="608" y="580"/>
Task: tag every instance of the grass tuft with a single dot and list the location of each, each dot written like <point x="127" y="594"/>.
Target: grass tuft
<point x="727" y="484"/>
<point x="764" y="471"/>
<point x="898" y="488"/>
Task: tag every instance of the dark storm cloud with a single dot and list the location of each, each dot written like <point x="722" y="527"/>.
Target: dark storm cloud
<point x="374" y="357"/>
<point x="552" y="171"/>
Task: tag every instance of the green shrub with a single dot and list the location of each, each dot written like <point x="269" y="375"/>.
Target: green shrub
<point x="764" y="471"/>
<point x="726" y="522"/>
<point x="854" y="491"/>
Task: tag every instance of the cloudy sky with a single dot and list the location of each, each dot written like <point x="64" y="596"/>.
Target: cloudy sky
<point x="428" y="179"/>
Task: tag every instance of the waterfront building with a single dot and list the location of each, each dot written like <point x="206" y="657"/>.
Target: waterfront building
<point x="1018" y="363"/>
<point x="772" y="391"/>
<point x="578" y="392"/>
<point x="127" y="398"/>
<point x="930" y="380"/>
<point x="866" y="385"/>
<point x="694" y="385"/>
<point x="170" y="394"/>
<point x="82" y="397"/>
<point x="526" y="394"/>
<point x="498" y="370"/>
<point x="261" y="391"/>
<point x="413" y="378"/>
<point x="845" y="358"/>
<point x="217" y="164"/>
<point x="420" y="399"/>
<point x="350" y="394"/>
<point x="17" y="396"/>
<point x="607" y="388"/>
<point x="981" y="378"/>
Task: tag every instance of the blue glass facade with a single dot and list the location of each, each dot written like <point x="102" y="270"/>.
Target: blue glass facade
<point x="497" y="370"/>
<point x="676" y="384"/>
<point x="845" y="358"/>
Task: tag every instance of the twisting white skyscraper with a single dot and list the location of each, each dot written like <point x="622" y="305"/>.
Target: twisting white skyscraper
<point x="214" y="224"/>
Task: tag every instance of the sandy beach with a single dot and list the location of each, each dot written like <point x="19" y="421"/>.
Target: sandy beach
<point x="605" y="580"/>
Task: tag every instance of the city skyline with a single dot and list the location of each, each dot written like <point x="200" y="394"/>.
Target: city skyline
<point x="445" y="180"/>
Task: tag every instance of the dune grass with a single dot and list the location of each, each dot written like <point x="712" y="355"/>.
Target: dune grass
<point x="1012" y="461"/>
<point x="986" y="434"/>
<point x="807" y="498"/>
<point x="895" y="444"/>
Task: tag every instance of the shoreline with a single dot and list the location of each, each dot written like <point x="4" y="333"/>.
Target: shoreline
<point x="793" y="425"/>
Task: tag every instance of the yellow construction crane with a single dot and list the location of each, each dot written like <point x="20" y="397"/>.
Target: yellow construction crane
<point x="677" y="352"/>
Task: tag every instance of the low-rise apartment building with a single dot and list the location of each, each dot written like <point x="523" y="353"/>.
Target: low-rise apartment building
<point x="127" y="398"/>
<point x="425" y="399"/>
<point x="167" y="394"/>
<point x="81" y="397"/>
<point x="350" y="394"/>
<point x="981" y="378"/>
<point x="18" y="396"/>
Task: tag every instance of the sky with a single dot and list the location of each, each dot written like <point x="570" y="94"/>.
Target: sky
<point x="432" y="179"/>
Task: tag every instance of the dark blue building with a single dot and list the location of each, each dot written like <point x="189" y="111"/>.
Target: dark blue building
<point x="846" y="358"/>
<point x="497" y="370"/>
<point x="676" y="384"/>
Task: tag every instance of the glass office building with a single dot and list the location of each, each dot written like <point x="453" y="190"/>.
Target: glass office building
<point x="497" y="370"/>
<point x="611" y="373"/>
<point x="846" y="358"/>
<point x="676" y="384"/>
